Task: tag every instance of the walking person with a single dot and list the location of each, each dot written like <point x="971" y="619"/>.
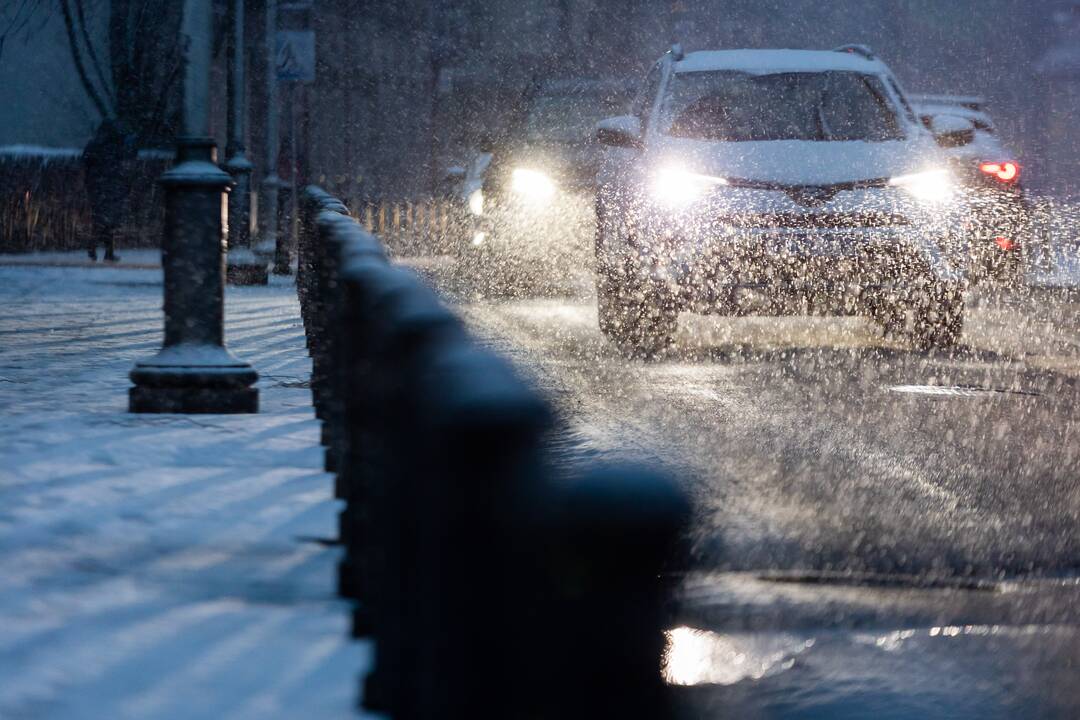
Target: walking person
<point x="107" y="162"/>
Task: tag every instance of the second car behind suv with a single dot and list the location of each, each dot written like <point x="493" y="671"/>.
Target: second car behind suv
<point x="776" y="182"/>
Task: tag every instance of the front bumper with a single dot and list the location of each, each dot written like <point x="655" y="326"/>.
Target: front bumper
<point x="560" y="226"/>
<point x="1000" y="235"/>
<point x="700" y="269"/>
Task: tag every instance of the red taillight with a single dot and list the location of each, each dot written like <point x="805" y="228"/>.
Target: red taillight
<point x="1005" y="172"/>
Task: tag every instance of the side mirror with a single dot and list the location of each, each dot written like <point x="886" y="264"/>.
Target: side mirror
<point x="952" y="131"/>
<point x="623" y="131"/>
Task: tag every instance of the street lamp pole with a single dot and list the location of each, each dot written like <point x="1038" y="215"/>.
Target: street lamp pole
<point x="243" y="267"/>
<point x="271" y="183"/>
<point x="193" y="372"/>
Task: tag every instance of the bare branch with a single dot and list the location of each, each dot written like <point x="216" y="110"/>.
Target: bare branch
<point x="76" y="56"/>
<point x="19" y="20"/>
<point x="107" y="88"/>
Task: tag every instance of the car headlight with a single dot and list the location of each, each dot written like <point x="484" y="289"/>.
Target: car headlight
<point x="476" y="202"/>
<point x="675" y="187"/>
<point x="532" y="185"/>
<point x="932" y="186"/>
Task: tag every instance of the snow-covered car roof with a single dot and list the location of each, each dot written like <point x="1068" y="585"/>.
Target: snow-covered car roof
<point x="776" y="61"/>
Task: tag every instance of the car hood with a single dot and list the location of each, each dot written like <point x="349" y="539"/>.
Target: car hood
<point x="749" y="647"/>
<point x="799" y="162"/>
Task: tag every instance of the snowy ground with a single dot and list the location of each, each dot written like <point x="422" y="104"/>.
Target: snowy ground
<point x="129" y="258"/>
<point x="160" y="566"/>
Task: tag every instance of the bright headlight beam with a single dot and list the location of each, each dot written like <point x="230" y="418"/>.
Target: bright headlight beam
<point x="532" y="184"/>
<point x="676" y="187"/>
<point x="933" y="186"/>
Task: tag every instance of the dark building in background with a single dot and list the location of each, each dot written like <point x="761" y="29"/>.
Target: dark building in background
<point x="405" y="88"/>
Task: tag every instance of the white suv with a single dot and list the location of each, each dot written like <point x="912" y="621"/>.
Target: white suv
<point x="776" y="182"/>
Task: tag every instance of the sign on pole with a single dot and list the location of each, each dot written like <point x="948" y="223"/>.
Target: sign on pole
<point x="295" y="56"/>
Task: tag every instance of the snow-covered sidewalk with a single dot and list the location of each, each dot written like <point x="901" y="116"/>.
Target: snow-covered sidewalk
<point x="160" y="566"/>
<point x="129" y="258"/>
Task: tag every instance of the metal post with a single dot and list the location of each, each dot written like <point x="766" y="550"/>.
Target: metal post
<point x="287" y="214"/>
<point x="243" y="267"/>
<point x="271" y="184"/>
<point x="193" y="372"/>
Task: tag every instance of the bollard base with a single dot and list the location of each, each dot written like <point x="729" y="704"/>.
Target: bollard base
<point x="283" y="268"/>
<point x="253" y="274"/>
<point x="217" y="401"/>
<point x="193" y="379"/>
<point x="244" y="267"/>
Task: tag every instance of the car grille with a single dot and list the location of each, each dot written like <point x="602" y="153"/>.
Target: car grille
<point x="813" y="221"/>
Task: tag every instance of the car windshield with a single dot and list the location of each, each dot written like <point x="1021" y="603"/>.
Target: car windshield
<point x="568" y="118"/>
<point x="733" y="106"/>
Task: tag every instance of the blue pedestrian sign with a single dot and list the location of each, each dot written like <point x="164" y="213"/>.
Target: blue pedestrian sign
<point x="295" y="55"/>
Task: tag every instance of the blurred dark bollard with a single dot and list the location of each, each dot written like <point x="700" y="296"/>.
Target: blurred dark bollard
<point x="330" y="222"/>
<point x="387" y="458"/>
<point x="313" y="201"/>
<point x="348" y="338"/>
<point x="600" y="627"/>
<point x="490" y="589"/>
<point x="474" y="450"/>
<point x="285" y="225"/>
<point x="386" y="322"/>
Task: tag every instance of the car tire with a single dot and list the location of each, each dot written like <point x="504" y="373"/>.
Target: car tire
<point x="938" y="318"/>
<point x="637" y="319"/>
<point x="639" y="322"/>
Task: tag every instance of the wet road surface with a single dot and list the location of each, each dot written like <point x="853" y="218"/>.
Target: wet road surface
<point x="890" y="490"/>
<point x="816" y="443"/>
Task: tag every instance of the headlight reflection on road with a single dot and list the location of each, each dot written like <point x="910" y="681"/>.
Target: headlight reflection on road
<point x="532" y="185"/>
<point x="700" y="657"/>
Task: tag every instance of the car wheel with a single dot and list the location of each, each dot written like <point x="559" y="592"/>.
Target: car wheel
<point x="938" y="318"/>
<point x="639" y="320"/>
<point x="641" y="323"/>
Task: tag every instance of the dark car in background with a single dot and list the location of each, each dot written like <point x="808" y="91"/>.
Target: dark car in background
<point x="992" y="174"/>
<point x="528" y="197"/>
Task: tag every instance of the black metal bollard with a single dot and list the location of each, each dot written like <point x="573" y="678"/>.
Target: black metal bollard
<point x="348" y="246"/>
<point x="601" y="618"/>
<point x="331" y="223"/>
<point x="477" y="455"/>
<point x="315" y="201"/>
<point x="391" y="319"/>
<point x="490" y="589"/>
